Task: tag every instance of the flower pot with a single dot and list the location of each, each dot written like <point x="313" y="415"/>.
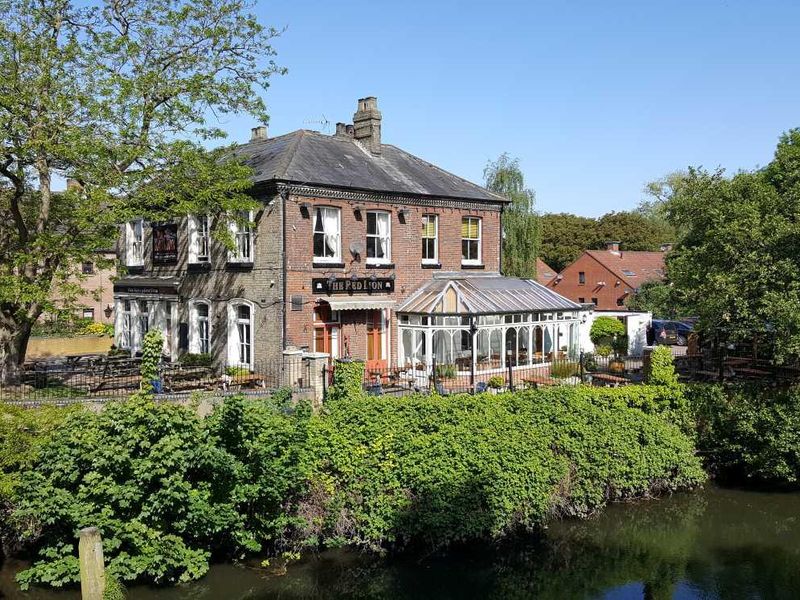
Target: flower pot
<point x="616" y="366"/>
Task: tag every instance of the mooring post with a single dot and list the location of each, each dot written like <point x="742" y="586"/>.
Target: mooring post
<point x="93" y="573"/>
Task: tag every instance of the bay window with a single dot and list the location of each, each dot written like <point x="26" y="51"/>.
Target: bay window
<point x="470" y="240"/>
<point x="430" y="239"/>
<point x="327" y="234"/>
<point x="379" y="237"/>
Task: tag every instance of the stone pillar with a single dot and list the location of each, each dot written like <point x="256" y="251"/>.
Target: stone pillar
<point x="293" y="374"/>
<point x="647" y="353"/>
<point x="90" y="556"/>
<point x="316" y="367"/>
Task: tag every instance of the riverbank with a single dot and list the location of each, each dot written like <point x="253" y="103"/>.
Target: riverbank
<point x="713" y="543"/>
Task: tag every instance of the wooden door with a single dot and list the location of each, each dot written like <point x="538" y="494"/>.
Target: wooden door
<point x="376" y="343"/>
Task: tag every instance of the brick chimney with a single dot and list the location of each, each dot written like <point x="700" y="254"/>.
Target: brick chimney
<point x="344" y="130"/>
<point x="367" y="123"/>
<point x="259" y="133"/>
<point x="612" y="246"/>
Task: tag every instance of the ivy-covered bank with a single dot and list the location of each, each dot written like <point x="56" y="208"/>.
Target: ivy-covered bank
<point x="172" y="491"/>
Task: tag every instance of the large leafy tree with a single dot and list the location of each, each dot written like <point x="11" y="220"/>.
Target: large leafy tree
<point x="565" y="237"/>
<point x="521" y="229"/>
<point x="738" y="263"/>
<point x="116" y="96"/>
<point x="635" y="231"/>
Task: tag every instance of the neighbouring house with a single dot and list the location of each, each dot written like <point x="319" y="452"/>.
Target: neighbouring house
<point x="544" y="272"/>
<point x="359" y="249"/>
<point x="607" y="277"/>
<point x="96" y="279"/>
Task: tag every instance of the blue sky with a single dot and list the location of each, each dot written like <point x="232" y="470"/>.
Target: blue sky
<point x="594" y="98"/>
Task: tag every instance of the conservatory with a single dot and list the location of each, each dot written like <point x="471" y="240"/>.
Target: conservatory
<point x="481" y="323"/>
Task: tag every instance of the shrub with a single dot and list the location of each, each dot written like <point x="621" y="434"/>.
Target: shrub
<point x="748" y="433"/>
<point x="167" y="489"/>
<point x="496" y="382"/>
<point x="98" y="329"/>
<point x="562" y="370"/>
<point x="237" y="371"/>
<point x="603" y="350"/>
<point x="605" y="329"/>
<point x="348" y="380"/>
<point x="436" y="470"/>
<point x="619" y="345"/>
<point x="190" y="359"/>
<point x="152" y="349"/>
<point x="662" y="367"/>
<point x="446" y="371"/>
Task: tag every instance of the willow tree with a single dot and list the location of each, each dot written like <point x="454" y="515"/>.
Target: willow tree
<point x="521" y="229"/>
<point x="117" y="96"/>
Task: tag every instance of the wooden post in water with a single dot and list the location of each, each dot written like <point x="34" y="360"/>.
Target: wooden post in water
<point x="93" y="573"/>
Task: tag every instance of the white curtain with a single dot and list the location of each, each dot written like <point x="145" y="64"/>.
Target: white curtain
<point x="382" y="222"/>
<point x="330" y="225"/>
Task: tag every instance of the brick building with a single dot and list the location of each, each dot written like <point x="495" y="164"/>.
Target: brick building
<point x="349" y="231"/>
<point x="607" y="277"/>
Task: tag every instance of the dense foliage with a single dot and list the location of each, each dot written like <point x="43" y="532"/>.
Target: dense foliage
<point x="662" y="368"/>
<point x="737" y="266"/>
<point x="605" y="329"/>
<point x="152" y="349"/>
<point x="657" y="297"/>
<point x="749" y="433"/>
<point x="348" y="378"/>
<point x="434" y="470"/>
<point x="521" y="228"/>
<point x="168" y="490"/>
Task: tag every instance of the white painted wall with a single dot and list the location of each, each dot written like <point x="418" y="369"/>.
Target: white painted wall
<point x="636" y="324"/>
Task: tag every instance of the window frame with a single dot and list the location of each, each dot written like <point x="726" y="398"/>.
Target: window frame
<point x="387" y="259"/>
<point x="479" y="240"/>
<point x="337" y="257"/>
<point x="581" y="277"/>
<point x="234" y="338"/>
<point x="196" y="234"/>
<point x="134" y="249"/>
<point x="238" y="233"/>
<point x="435" y="238"/>
<point x="195" y="331"/>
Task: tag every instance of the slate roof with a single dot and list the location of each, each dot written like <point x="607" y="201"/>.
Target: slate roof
<point x="312" y="158"/>
<point x="544" y="272"/>
<point x="634" y="268"/>
<point x="488" y="293"/>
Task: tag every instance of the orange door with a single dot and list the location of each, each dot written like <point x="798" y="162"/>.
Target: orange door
<point x="376" y="347"/>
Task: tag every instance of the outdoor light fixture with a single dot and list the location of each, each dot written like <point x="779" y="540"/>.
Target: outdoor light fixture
<point x="403" y="213"/>
<point x="358" y="208"/>
<point x="107" y="311"/>
<point x="305" y="209"/>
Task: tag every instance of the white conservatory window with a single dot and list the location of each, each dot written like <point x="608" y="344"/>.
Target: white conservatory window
<point x="327" y="234"/>
<point x="134" y="243"/>
<point x="200" y="328"/>
<point x="242" y="233"/>
<point x="379" y="237"/>
<point x="240" y="333"/>
<point x="199" y="239"/>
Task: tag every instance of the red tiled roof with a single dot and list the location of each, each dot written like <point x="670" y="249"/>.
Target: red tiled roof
<point x="544" y="273"/>
<point x="634" y="268"/>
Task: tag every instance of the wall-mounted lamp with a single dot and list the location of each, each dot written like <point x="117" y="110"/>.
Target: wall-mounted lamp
<point x="357" y="208"/>
<point x="107" y="311"/>
<point x="305" y="209"/>
<point x="403" y="213"/>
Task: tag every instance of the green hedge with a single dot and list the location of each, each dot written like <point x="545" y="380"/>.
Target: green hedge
<point x="748" y="433"/>
<point x="437" y="470"/>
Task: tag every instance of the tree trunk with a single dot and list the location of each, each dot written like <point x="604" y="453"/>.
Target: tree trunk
<point x="14" y="338"/>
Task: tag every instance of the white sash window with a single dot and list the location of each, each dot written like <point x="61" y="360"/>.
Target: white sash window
<point x="240" y="333"/>
<point x="200" y="328"/>
<point x="134" y="243"/>
<point x="430" y="239"/>
<point x="379" y="237"/>
<point x="470" y="241"/>
<point x="242" y="233"/>
<point x="199" y="239"/>
<point x="327" y="234"/>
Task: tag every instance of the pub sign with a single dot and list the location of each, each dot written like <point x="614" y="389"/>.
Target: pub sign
<point x="353" y="285"/>
<point x="165" y="244"/>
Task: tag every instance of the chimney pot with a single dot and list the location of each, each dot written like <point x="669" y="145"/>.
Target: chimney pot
<point x="367" y="124"/>
<point x="341" y="129"/>
<point x="258" y="133"/>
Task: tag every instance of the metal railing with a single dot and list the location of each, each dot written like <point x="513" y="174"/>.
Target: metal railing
<point x="710" y="367"/>
<point x="103" y="378"/>
<point x="453" y="379"/>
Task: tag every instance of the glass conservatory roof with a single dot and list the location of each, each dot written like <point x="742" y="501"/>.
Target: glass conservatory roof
<point x="482" y="294"/>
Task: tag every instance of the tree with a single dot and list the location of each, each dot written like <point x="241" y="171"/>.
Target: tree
<point x="521" y="229"/>
<point x="738" y="264"/>
<point x="657" y="297"/>
<point x="565" y="237"/>
<point x="659" y="192"/>
<point x="633" y="230"/>
<point x="115" y="97"/>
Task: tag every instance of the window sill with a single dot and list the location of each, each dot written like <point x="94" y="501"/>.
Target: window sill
<point x="380" y="265"/>
<point x="431" y="265"/>
<point x="476" y="266"/>
<point x="328" y="265"/>
<point x="239" y="266"/>
<point x="199" y="267"/>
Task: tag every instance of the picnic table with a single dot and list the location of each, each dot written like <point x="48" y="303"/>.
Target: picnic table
<point x="609" y="380"/>
<point x="539" y="380"/>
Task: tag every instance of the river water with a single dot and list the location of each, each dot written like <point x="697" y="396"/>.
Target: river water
<point x="714" y="543"/>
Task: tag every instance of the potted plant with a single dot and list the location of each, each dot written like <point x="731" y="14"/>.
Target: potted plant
<point x="620" y="347"/>
<point x="496" y="383"/>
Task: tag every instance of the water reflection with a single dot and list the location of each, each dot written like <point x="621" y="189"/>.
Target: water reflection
<point x="710" y="544"/>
